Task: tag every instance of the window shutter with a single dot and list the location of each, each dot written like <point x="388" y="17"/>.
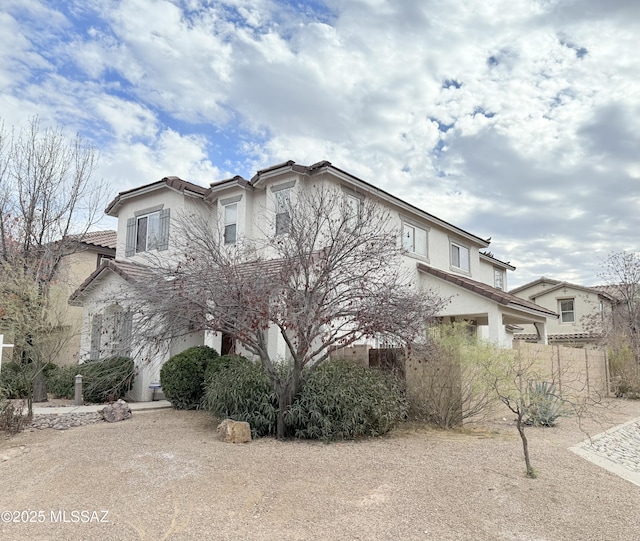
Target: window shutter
<point x="96" y="335"/>
<point x="130" y="249"/>
<point x="125" y="334"/>
<point x="163" y="243"/>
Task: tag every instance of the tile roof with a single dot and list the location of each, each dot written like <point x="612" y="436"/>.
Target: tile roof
<point x="497" y="295"/>
<point x="566" y="337"/>
<point x="175" y="183"/>
<point x="104" y="239"/>
<point x="489" y="255"/>
<point x="131" y="272"/>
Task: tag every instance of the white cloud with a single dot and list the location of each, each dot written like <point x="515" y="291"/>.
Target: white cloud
<point x="511" y="118"/>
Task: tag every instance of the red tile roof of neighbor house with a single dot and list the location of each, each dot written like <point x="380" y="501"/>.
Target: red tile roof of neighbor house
<point x="563" y="337"/>
<point x="497" y="295"/>
<point x="103" y="239"/>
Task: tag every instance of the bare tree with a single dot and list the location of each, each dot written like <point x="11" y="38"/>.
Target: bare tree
<point x="48" y="201"/>
<point x="621" y="274"/>
<point x="327" y="277"/>
<point x="534" y="394"/>
<point x="620" y="327"/>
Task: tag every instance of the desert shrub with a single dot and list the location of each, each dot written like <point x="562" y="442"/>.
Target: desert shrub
<point x="544" y="404"/>
<point x="14" y="380"/>
<point x="12" y="419"/>
<point x="343" y="400"/>
<point x="60" y="380"/>
<point x="625" y="372"/>
<point x="239" y="390"/>
<point x="182" y="377"/>
<point x="106" y="380"/>
<point x="446" y="378"/>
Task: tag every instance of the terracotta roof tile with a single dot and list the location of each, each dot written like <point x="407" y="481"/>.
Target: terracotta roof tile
<point x="497" y="295"/>
<point x="105" y="239"/>
<point x="131" y="272"/>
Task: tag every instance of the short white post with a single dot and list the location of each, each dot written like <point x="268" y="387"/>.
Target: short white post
<point x="2" y="346"/>
<point x="78" y="391"/>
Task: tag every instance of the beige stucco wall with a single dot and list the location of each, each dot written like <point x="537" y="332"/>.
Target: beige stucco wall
<point x="586" y="309"/>
<point x="74" y="269"/>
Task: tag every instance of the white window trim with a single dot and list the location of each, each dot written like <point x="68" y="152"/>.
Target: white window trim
<point x="277" y="191"/>
<point x="229" y="204"/>
<point x="560" y="312"/>
<point x="147" y="246"/>
<point x="460" y="246"/>
<point x="414" y="224"/>
<point x="497" y="271"/>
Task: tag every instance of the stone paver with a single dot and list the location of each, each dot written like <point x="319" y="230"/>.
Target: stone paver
<point x="617" y="450"/>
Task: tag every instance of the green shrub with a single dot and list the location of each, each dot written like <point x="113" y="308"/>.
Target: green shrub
<point x="106" y="380"/>
<point x="61" y="380"/>
<point x="182" y="377"/>
<point x="14" y="380"/>
<point x="342" y="400"/>
<point x="239" y="389"/>
<point x="544" y="405"/>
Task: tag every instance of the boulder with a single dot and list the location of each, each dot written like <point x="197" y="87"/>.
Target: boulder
<point x="231" y="431"/>
<point x="118" y="411"/>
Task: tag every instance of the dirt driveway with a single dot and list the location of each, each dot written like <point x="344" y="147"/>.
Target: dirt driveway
<point x="163" y="476"/>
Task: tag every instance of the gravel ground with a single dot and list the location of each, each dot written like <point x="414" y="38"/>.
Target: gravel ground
<point x="162" y="475"/>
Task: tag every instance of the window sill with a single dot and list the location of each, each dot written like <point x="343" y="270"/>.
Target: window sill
<point x="459" y="270"/>
<point x="419" y="257"/>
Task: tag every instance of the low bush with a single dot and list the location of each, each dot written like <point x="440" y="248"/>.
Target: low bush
<point x="183" y="376"/>
<point x="625" y="372"/>
<point x="14" y="380"/>
<point x="446" y="377"/>
<point x="61" y="381"/>
<point x="343" y="400"/>
<point x="238" y="389"/>
<point x="12" y="419"/>
<point x="106" y="380"/>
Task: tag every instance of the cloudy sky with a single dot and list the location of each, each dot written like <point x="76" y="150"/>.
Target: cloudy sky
<point x="514" y="119"/>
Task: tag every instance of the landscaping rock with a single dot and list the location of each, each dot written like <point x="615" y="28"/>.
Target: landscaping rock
<point x="231" y="431"/>
<point x="118" y="411"/>
<point x="64" y="421"/>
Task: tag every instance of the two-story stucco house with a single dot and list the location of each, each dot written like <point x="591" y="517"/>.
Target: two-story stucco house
<point x="581" y="311"/>
<point x="438" y="254"/>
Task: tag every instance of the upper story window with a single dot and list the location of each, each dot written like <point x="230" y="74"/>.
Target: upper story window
<point x="354" y="211"/>
<point x="148" y="230"/>
<point x="567" y="311"/>
<point x="498" y="279"/>
<point x="230" y="223"/>
<point x="460" y="257"/>
<point x="283" y="206"/>
<point x="414" y="239"/>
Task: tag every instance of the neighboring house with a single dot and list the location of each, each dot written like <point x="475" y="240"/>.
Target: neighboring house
<point x="95" y="248"/>
<point x="74" y="267"/>
<point x="439" y="255"/>
<point x="581" y="311"/>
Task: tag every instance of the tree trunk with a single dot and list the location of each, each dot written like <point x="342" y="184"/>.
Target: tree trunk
<point x="531" y="474"/>
<point x="286" y="394"/>
<point x="39" y="385"/>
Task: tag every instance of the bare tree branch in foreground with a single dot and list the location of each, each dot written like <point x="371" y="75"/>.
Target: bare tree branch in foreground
<point x="335" y="278"/>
